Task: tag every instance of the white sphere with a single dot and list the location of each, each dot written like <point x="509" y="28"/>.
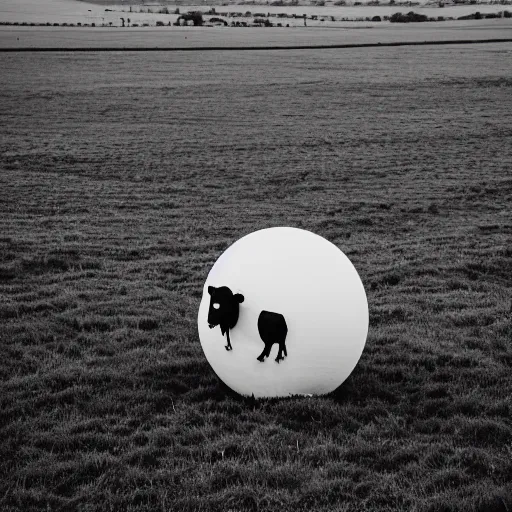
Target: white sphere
<point x="314" y="286"/>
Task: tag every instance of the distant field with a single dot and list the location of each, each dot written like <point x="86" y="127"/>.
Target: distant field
<point x="189" y="37"/>
<point x="73" y="11"/>
<point x="124" y="176"/>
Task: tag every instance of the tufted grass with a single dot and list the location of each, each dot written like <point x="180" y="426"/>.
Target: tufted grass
<point x="123" y="177"/>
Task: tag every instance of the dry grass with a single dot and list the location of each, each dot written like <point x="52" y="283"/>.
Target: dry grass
<point x="124" y="177"/>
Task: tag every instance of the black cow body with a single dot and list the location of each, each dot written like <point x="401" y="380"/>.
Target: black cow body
<point x="273" y="329"/>
<point x="224" y="310"/>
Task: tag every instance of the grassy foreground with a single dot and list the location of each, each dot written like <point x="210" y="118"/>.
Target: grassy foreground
<point x="123" y="177"/>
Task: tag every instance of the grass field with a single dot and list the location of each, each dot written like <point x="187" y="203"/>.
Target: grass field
<point x="74" y="11"/>
<point x="124" y="176"/>
<point x="204" y="37"/>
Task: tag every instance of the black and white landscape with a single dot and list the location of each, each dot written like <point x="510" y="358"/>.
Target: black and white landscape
<point x="124" y="176"/>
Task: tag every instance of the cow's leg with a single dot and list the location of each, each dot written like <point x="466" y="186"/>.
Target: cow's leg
<point x="285" y="352"/>
<point x="228" y="346"/>
<point x="280" y="353"/>
<point x="266" y="352"/>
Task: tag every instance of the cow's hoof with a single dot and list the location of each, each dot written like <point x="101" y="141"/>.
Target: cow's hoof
<point x="279" y="359"/>
<point x="260" y="359"/>
<point x="228" y="348"/>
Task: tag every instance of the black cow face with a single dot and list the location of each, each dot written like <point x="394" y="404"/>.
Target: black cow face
<point x="224" y="308"/>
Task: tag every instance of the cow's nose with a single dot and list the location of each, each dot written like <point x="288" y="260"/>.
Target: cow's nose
<point x="211" y="326"/>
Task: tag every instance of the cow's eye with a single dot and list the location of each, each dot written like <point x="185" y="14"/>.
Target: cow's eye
<point x="216" y="306"/>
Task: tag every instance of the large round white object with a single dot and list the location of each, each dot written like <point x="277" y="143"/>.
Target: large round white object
<point x="314" y="286"/>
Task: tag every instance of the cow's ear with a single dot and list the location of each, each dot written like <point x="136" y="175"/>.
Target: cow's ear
<point x="211" y="289"/>
<point x="239" y="298"/>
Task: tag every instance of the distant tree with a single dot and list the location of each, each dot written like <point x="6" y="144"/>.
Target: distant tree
<point x="196" y="18"/>
<point x="122" y="21"/>
<point x="411" y="16"/>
